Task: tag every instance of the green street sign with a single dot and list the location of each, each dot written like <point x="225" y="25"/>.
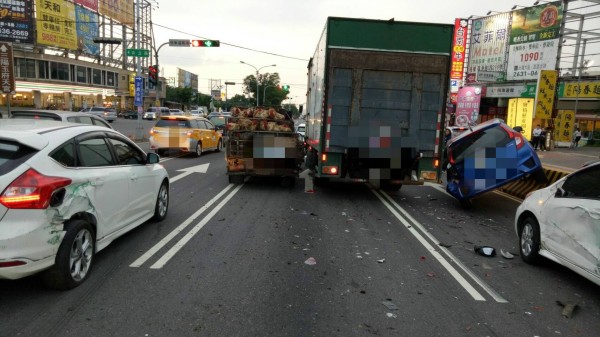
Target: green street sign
<point x="138" y="52"/>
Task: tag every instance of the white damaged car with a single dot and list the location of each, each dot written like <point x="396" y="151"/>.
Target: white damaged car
<point x="67" y="191"/>
<point x="562" y="223"/>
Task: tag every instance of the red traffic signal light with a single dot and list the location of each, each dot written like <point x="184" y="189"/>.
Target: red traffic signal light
<point x="153" y="74"/>
<point x="205" y="43"/>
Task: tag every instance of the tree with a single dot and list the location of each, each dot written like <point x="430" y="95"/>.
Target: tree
<point x="180" y="95"/>
<point x="269" y="86"/>
<point x="240" y="101"/>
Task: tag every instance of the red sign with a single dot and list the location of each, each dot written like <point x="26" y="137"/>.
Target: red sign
<point x="7" y="75"/>
<point x="459" y="44"/>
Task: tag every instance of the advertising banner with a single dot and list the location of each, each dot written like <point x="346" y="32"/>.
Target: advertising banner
<point x="120" y="10"/>
<point x="583" y="89"/>
<point x="187" y="79"/>
<point x="459" y="46"/>
<point x="489" y="38"/>
<point x="520" y="113"/>
<point x="7" y="68"/>
<point x="546" y="90"/>
<point x="87" y="30"/>
<point x="564" y="125"/>
<point x="534" y="39"/>
<point x="91" y="4"/>
<point x="16" y="21"/>
<point x="467" y="105"/>
<point x="56" y="23"/>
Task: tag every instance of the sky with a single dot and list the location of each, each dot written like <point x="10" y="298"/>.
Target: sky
<point x="280" y="32"/>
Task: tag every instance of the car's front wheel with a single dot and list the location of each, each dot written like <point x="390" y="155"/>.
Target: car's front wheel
<point x="162" y="202"/>
<point x="73" y="261"/>
<point x="198" y="152"/>
<point x="529" y="239"/>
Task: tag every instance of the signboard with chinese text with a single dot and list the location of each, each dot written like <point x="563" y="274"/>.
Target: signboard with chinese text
<point x="467" y="105"/>
<point x="56" y="23"/>
<point x="17" y="21"/>
<point x="87" y="31"/>
<point x="511" y="91"/>
<point x="489" y="37"/>
<point x="546" y="90"/>
<point x="534" y="39"/>
<point x="120" y="10"/>
<point x="564" y="125"/>
<point x="520" y="113"/>
<point x="459" y="45"/>
<point x="7" y="75"/>
<point x="91" y="4"/>
<point x="138" y="99"/>
<point x="580" y="90"/>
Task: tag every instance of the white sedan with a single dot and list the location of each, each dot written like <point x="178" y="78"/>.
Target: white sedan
<point x="562" y="223"/>
<point x="67" y="191"/>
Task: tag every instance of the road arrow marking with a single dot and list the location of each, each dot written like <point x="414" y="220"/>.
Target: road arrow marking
<point x="308" y="181"/>
<point x="187" y="171"/>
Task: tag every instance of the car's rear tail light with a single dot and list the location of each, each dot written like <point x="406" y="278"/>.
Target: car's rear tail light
<point x="519" y="140"/>
<point x="189" y="133"/>
<point x="32" y="190"/>
<point x="152" y="131"/>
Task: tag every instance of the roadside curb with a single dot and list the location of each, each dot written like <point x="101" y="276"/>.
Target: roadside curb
<point x="523" y="186"/>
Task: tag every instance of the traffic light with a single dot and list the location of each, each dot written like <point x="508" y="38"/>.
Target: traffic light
<point x="205" y="43"/>
<point x="153" y="74"/>
<point x="286" y="87"/>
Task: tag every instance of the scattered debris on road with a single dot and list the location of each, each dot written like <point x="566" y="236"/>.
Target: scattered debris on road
<point x="568" y="308"/>
<point x="485" y="251"/>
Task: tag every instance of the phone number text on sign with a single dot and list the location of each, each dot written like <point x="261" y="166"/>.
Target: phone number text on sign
<point x="526" y="60"/>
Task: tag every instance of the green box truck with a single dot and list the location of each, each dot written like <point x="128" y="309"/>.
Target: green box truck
<point x="376" y="97"/>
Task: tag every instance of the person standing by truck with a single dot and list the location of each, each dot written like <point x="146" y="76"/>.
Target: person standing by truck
<point x="535" y="137"/>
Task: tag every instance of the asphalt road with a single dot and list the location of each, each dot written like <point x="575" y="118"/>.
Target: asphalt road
<point x="262" y="260"/>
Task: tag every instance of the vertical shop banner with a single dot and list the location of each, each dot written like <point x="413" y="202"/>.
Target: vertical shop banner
<point x="520" y="113"/>
<point x="487" y="55"/>
<point x="120" y="10"/>
<point x="55" y="22"/>
<point x="459" y="45"/>
<point x="16" y="21"/>
<point x="546" y="91"/>
<point x="564" y="125"/>
<point x="91" y="4"/>
<point x="467" y="105"/>
<point x="7" y="68"/>
<point x="87" y="31"/>
<point x="534" y="39"/>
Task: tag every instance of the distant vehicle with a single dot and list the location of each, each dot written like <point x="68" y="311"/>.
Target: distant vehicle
<point x="130" y="114"/>
<point x="59" y="115"/>
<point x="301" y="129"/>
<point x="108" y="114"/>
<point x="560" y="222"/>
<point x="156" y="112"/>
<point x="486" y="157"/>
<point x="196" y="113"/>
<point x="66" y="192"/>
<point x="185" y="133"/>
<point x="176" y="112"/>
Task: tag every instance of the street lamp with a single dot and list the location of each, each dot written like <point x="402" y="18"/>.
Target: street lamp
<point x="257" y="70"/>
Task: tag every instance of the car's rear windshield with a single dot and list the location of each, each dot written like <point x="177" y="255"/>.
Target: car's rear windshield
<point x="489" y="138"/>
<point x="32" y="115"/>
<point x="173" y="123"/>
<point x="301" y="129"/>
<point x="12" y="154"/>
<point x="217" y="121"/>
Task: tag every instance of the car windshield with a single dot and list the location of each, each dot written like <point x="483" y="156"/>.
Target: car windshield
<point x="173" y="123"/>
<point x="301" y="128"/>
<point x="489" y="138"/>
<point x="218" y="120"/>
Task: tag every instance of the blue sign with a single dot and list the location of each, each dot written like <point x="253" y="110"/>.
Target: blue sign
<point x="139" y="92"/>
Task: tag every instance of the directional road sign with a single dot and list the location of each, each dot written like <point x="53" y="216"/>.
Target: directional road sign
<point x="138" y="99"/>
<point x="138" y="52"/>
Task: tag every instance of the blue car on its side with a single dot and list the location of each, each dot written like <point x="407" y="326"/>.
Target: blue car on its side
<point x="486" y="157"/>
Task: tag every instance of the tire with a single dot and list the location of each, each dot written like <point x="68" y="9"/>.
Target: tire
<point x="73" y="262"/>
<point x="529" y="239"/>
<point x="466" y="204"/>
<point x="198" y="151"/>
<point x="386" y="185"/>
<point x="220" y="145"/>
<point x="236" y="179"/>
<point x="162" y="202"/>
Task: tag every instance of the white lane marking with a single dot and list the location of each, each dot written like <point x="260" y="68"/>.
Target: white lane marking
<point x="189" y="170"/>
<point x="461" y="280"/>
<point x="497" y="297"/>
<point x="169" y="254"/>
<point x="142" y="259"/>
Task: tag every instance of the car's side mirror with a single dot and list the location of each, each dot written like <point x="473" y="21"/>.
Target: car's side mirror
<point x="152" y="158"/>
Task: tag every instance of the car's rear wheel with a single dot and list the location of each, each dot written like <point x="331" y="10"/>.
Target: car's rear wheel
<point x="73" y="261"/>
<point x="162" y="202"/>
<point x="198" y="152"/>
<point x="529" y="239"/>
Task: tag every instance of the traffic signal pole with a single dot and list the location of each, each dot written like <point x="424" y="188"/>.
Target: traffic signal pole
<point x="158" y="83"/>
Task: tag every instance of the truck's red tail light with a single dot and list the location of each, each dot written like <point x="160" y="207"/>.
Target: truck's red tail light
<point x="32" y="190"/>
<point x="332" y="170"/>
<point x="324" y="157"/>
<point x="436" y="163"/>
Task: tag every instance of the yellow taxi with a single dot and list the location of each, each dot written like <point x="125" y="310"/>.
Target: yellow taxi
<point x="185" y="133"/>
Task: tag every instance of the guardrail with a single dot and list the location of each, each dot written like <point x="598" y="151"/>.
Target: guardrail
<point x="523" y="186"/>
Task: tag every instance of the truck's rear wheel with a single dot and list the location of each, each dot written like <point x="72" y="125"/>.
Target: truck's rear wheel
<point x="236" y="179"/>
